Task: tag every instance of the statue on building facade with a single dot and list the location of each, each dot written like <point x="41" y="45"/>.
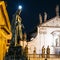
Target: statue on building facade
<point x="48" y="52"/>
<point x="40" y="18"/>
<point x="34" y="52"/>
<point x="43" y="52"/>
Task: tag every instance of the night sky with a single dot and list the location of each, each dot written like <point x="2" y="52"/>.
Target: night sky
<point x="31" y="10"/>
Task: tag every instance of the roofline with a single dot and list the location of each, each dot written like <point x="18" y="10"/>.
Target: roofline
<point x="48" y="21"/>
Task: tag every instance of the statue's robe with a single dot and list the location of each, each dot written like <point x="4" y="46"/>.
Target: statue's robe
<point x="5" y="30"/>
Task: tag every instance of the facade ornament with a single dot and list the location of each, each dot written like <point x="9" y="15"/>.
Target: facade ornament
<point x="45" y="16"/>
<point x="40" y="18"/>
<point x="57" y="10"/>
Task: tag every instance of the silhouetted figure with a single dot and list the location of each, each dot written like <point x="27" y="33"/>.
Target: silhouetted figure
<point x="34" y="52"/>
<point x="43" y="52"/>
<point x="48" y="52"/>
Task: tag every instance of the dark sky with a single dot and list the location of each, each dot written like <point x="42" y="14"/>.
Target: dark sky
<point x="31" y="10"/>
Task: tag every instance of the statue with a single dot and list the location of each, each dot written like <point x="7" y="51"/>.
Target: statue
<point x="48" y="52"/>
<point x="17" y="27"/>
<point x="40" y="18"/>
<point x="45" y="16"/>
<point x="26" y="50"/>
<point x="18" y="24"/>
<point x="57" y="10"/>
<point x="34" y="52"/>
<point x="43" y="52"/>
<point x="16" y="49"/>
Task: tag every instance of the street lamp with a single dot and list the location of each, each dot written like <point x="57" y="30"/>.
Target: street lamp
<point x="20" y="7"/>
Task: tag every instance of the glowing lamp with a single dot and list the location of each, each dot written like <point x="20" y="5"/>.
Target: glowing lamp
<point x="20" y="7"/>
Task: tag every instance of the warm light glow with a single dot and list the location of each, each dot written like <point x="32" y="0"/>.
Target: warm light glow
<point x="4" y="36"/>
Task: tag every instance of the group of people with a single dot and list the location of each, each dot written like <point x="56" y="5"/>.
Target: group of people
<point x="47" y="52"/>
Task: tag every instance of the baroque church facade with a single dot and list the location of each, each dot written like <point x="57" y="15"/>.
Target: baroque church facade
<point x="48" y="34"/>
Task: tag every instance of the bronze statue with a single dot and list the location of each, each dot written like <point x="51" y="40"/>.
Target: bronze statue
<point x="18" y="24"/>
<point x="48" y="52"/>
<point x="17" y="27"/>
<point x="43" y="52"/>
<point x="34" y="52"/>
<point x="26" y="51"/>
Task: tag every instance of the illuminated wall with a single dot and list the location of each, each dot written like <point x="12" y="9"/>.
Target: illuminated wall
<point x="5" y="30"/>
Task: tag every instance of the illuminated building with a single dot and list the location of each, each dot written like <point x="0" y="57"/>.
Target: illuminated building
<point x="5" y="30"/>
<point x="48" y="34"/>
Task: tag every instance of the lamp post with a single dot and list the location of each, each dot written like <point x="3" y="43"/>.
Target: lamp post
<point x="20" y="7"/>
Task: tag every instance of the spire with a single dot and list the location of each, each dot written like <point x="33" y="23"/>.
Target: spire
<point x="45" y="16"/>
<point x="40" y="18"/>
<point x="57" y="10"/>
